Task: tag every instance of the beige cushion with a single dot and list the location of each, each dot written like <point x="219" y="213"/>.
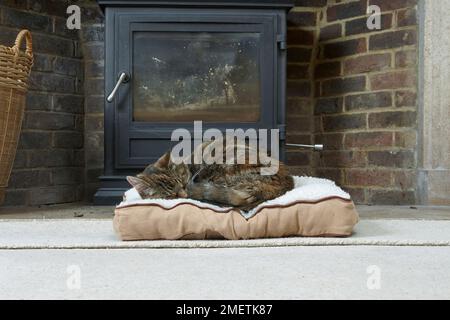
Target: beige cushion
<point x="331" y="217"/>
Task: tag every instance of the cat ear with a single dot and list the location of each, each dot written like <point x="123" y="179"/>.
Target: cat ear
<point x="163" y="162"/>
<point x="139" y="184"/>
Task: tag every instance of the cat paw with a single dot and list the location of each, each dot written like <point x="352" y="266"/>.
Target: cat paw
<point x="240" y="198"/>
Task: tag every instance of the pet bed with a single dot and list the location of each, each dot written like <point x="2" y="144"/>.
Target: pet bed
<point x="314" y="208"/>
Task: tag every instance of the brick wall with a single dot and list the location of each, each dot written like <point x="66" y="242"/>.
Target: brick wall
<point x="49" y="166"/>
<point x="366" y="100"/>
<point x="351" y="89"/>
<point x="302" y="51"/>
<point x="92" y="45"/>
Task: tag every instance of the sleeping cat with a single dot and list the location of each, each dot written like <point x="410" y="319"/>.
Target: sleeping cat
<point x="238" y="185"/>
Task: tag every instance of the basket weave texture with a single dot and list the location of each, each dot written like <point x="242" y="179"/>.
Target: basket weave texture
<point x="15" y="67"/>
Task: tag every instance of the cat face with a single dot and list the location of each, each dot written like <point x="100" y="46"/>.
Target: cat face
<point x="162" y="180"/>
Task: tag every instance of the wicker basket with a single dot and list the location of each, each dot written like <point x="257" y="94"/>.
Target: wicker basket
<point x="15" y="67"/>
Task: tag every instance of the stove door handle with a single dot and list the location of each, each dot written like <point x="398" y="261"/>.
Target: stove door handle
<point x="123" y="78"/>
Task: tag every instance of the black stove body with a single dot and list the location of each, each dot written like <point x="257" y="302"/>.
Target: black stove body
<point x="170" y="63"/>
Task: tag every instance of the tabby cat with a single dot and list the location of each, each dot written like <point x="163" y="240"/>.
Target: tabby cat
<point x="238" y="185"/>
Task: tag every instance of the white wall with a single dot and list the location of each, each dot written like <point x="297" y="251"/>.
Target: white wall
<point x="434" y="150"/>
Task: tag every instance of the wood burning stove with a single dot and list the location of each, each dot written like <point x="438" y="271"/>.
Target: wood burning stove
<point x="170" y="63"/>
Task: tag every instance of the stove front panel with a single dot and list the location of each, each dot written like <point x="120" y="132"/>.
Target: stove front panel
<point x="219" y="66"/>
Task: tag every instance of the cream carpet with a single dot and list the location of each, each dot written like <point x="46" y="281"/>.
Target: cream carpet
<point x="233" y="274"/>
<point x="99" y="234"/>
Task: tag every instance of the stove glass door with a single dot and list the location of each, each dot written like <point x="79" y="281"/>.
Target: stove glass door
<point x="188" y="76"/>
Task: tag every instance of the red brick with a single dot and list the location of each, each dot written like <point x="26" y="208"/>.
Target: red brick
<point x="394" y="39"/>
<point x="300" y="37"/>
<point x="364" y="177"/>
<point x="344" y="122"/>
<point x="298" y="158"/>
<point x="368" y="101"/>
<point x="298" y="107"/>
<point x="318" y="124"/>
<point x="345" y="48"/>
<point x="343" y="85"/>
<point x="298" y="138"/>
<point x="405" y="99"/>
<point x="342" y="159"/>
<point x="392" y="159"/>
<point x="317" y="89"/>
<point x="17" y="4"/>
<point x="298" y="72"/>
<point x="310" y="3"/>
<point x="368" y="140"/>
<point x="405" y="139"/>
<point x="330" y="32"/>
<point x="391" y="197"/>
<point x="328" y="70"/>
<point x="302" y="19"/>
<point x="346" y="10"/>
<point x="392" y="120"/>
<point x="406" y="17"/>
<point x="367" y="63"/>
<point x="298" y="88"/>
<point x="393" y="4"/>
<point x="393" y="80"/>
<point x="298" y="124"/>
<point x="328" y="106"/>
<point x="406" y="59"/>
<point x="299" y="55"/>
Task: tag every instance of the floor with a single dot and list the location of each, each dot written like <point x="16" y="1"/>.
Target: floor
<point x="258" y="273"/>
<point x="305" y="272"/>
<point x="84" y="211"/>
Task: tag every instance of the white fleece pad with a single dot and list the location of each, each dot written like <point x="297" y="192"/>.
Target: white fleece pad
<point x="306" y="189"/>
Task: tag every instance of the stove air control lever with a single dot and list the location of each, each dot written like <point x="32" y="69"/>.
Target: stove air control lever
<point x="315" y="147"/>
